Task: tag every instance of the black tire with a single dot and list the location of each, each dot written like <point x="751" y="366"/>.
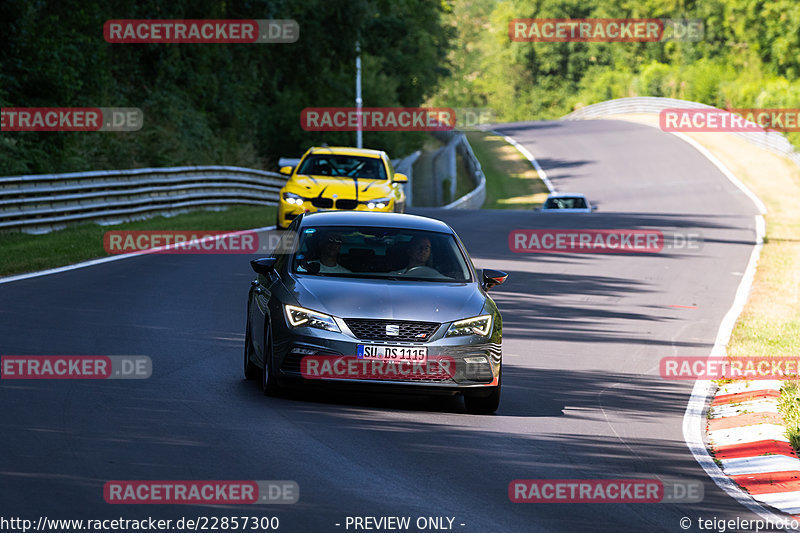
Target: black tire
<point x="269" y="384"/>
<point x="486" y="405"/>
<point x="251" y="370"/>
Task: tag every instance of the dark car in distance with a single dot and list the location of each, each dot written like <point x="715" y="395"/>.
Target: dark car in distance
<point x="378" y="301"/>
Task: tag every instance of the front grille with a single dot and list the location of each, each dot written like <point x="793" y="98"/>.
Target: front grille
<point x="322" y="203"/>
<point x="346" y="204"/>
<point x="376" y="329"/>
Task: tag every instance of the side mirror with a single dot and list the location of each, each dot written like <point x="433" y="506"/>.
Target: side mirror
<point x="400" y="178"/>
<point x="492" y="278"/>
<point x="264" y="265"/>
<point x="287" y="170"/>
<point x="594" y="208"/>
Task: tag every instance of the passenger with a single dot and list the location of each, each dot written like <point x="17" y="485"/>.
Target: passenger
<point x="329" y="245"/>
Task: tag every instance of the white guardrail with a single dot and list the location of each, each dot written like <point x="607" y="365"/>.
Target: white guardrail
<point x="41" y="203"/>
<point x="770" y="140"/>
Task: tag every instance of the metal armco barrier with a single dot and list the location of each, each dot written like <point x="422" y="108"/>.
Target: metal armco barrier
<point x="477" y="196"/>
<point x="44" y="202"/>
<point x="771" y="140"/>
<point x="41" y="203"/>
<point x="406" y="166"/>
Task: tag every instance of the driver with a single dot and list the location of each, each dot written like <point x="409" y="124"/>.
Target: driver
<point x="370" y="171"/>
<point x="419" y="252"/>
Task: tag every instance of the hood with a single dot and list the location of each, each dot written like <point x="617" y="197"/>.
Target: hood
<point x="389" y="299"/>
<point x="342" y="187"/>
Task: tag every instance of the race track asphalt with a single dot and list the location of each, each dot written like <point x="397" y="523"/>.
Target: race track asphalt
<point x="582" y="396"/>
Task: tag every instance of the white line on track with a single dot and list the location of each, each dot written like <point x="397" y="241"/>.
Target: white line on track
<point x="529" y="156"/>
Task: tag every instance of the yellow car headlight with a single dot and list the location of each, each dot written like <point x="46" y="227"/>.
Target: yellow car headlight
<point x="293" y="199"/>
<point x="380" y="203"/>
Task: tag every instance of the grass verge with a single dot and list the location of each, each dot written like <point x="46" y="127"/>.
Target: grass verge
<point x="511" y="180"/>
<point x="789" y="405"/>
<point x="22" y="252"/>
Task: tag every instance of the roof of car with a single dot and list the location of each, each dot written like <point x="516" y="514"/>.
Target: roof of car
<point x="566" y="195"/>
<point x="384" y="220"/>
<point x="345" y="150"/>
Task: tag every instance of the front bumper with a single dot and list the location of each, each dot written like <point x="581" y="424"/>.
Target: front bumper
<point x="455" y="364"/>
<point x="288" y="212"/>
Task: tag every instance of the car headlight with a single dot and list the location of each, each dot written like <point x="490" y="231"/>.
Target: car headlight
<point x="300" y="316"/>
<point x="478" y="325"/>
<point x="380" y="203"/>
<point x="292" y="198"/>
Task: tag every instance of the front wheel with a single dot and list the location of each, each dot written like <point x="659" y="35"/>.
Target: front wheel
<point x="269" y="384"/>
<point x="486" y="405"/>
<point x="251" y="371"/>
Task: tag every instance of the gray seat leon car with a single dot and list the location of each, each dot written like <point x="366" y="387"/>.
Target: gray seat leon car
<point x="374" y="301"/>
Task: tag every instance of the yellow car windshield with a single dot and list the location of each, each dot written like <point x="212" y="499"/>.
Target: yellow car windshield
<point x="348" y="166"/>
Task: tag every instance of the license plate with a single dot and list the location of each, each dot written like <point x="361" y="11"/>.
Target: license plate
<point x="393" y="353"/>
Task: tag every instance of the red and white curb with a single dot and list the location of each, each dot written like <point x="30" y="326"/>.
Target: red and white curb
<point x="748" y="437"/>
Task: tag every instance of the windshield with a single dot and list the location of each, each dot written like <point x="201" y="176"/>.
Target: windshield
<point x="370" y="168"/>
<point x="387" y="253"/>
<point x="572" y="202"/>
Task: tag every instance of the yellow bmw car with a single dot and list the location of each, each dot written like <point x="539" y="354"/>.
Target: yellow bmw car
<point x="337" y="178"/>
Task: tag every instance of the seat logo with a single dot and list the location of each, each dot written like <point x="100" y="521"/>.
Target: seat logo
<point x="392" y="329"/>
